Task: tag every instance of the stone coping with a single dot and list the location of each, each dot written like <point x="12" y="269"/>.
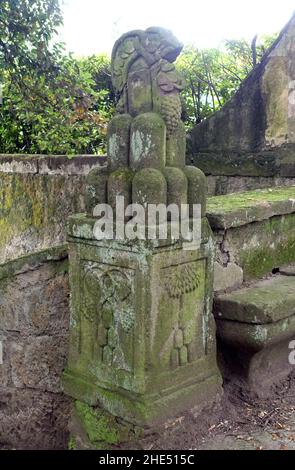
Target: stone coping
<point x="278" y="162"/>
<point x="235" y="210"/>
<point x="267" y="301"/>
<point x="255" y="337"/>
<point x="33" y="260"/>
<point x="50" y="164"/>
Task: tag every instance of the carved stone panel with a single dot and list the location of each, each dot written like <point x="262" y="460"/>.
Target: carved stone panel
<point x="107" y="316"/>
<point x="179" y="332"/>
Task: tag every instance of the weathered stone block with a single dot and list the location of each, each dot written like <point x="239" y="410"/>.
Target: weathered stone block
<point x="96" y="188"/>
<point x="177" y="186"/>
<point x="38" y="362"/>
<point x="257" y="323"/>
<point x="227" y="277"/>
<point x="155" y="301"/>
<point x="34" y="294"/>
<point x="222" y="185"/>
<point x="236" y="210"/>
<point x="268" y="301"/>
<point x="149" y="187"/>
<point x="261" y="114"/>
<point x="176" y="146"/>
<point x="256" y="229"/>
<point x="139" y="89"/>
<point x="33" y="332"/>
<point x="120" y="184"/>
<point x="197" y="188"/>
<point x="37" y="195"/>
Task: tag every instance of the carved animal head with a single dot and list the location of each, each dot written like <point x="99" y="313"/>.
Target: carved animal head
<point x="151" y="45"/>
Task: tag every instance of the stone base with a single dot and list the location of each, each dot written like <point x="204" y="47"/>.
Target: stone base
<point x="148" y="410"/>
<point x="142" y="336"/>
<point x="95" y="428"/>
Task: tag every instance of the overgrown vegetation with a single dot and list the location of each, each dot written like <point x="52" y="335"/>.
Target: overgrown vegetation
<point x="213" y="75"/>
<point x="56" y="103"/>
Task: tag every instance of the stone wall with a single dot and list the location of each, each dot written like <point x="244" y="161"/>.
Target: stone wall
<point x="231" y="172"/>
<point x="261" y="114"/>
<point x="34" y="326"/>
<point x="37" y="194"/>
<point x="222" y="184"/>
<point x="255" y="234"/>
<point x="253" y="135"/>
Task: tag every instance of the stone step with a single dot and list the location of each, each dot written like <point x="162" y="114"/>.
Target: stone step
<point x="255" y="326"/>
<point x="268" y="301"/>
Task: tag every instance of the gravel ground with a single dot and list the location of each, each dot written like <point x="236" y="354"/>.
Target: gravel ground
<point x="239" y="421"/>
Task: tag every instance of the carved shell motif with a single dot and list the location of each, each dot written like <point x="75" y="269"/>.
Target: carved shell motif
<point x="181" y="280"/>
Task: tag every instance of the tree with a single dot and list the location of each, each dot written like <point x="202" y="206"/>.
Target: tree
<point x="26" y="29"/>
<point x="67" y="115"/>
<point x="52" y="102"/>
<point x="56" y="103"/>
<point x="214" y="75"/>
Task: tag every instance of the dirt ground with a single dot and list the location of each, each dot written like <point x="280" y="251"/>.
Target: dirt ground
<point x="239" y="421"/>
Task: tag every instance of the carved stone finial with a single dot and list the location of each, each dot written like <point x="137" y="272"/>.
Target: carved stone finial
<point x="147" y="131"/>
<point x="145" y="77"/>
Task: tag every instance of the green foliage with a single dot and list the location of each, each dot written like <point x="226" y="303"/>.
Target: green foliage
<point x="214" y="75"/>
<point x="66" y="115"/>
<point x="55" y="103"/>
<point x="26" y="28"/>
<point x="52" y="102"/>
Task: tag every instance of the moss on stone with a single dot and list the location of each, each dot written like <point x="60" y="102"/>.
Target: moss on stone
<point x="57" y="256"/>
<point x="148" y="142"/>
<point x="233" y="202"/>
<point x="239" y="209"/>
<point x="124" y="173"/>
<point x="232" y="164"/>
<point x="97" y="425"/>
<point x="267" y="301"/>
<point x="258" y="262"/>
<point x="33" y="210"/>
<point x="72" y="445"/>
<point x="149" y="187"/>
<point x="101" y="427"/>
<point x="262" y="246"/>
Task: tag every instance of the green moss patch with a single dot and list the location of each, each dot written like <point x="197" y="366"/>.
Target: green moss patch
<point x="238" y="209"/>
<point x="101" y="427"/>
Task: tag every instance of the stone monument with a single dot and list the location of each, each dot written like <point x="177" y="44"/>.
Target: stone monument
<point x="142" y="340"/>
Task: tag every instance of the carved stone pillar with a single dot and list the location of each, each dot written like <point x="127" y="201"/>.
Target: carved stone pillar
<point x="142" y="342"/>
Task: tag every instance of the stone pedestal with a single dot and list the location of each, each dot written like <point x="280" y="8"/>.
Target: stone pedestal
<point x="142" y="343"/>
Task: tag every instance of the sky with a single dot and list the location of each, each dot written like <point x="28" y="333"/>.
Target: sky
<point x="92" y="26"/>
